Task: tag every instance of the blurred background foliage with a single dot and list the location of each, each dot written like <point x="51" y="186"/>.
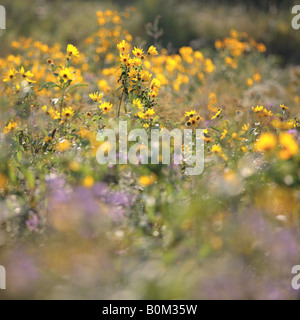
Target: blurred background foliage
<point x="191" y="22"/>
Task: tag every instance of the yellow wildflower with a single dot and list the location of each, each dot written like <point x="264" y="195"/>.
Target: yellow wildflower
<point x="137" y="103"/>
<point x="72" y="51"/>
<point x="228" y="61"/>
<point x="155" y="85"/>
<point x="289" y="145"/>
<point x="224" y="133"/>
<point x="256" y="77"/>
<point x="249" y="82"/>
<point x="27" y="75"/>
<point x="63" y="145"/>
<point x="10" y="126"/>
<point x="190" y="114"/>
<point x="217" y="114"/>
<point x="10" y="75"/>
<point x="216" y="148"/>
<point x="124" y="58"/>
<point x="147" y="180"/>
<point x="105" y="107"/>
<point x="68" y="112"/>
<point x="122" y="46"/>
<point x="192" y="122"/>
<point x="152" y="51"/>
<point x="138" y="52"/>
<point x="266" y="142"/>
<point x="88" y="181"/>
<point x="153" y="94"/>
<point x="245" y="127"/>
<point x="66" y="74"/>
<point x="137" y="62"/>
<point x="261" y="47"/>
<point x="283" y="107"/>
<point x="54" y="114"/>
<point x="96" y="96"/>
<point x="146" y="76"/>
<point x="147" y="114"/>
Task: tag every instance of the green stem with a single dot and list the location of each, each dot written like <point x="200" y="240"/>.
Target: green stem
<point x="62" y="101"/>
<point x="120" y="103"/>
<point x="29" y="138"/>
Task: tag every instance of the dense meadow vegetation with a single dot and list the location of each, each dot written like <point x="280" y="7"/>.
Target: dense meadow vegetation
<point x="72" y="228"/>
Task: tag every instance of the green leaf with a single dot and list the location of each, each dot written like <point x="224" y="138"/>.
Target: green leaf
<point x="215" y="129"/>
<point x="19" y="156"/>
<point x="30" y="179"/>
<point x="48" y="85"/>
<point x="76" y="85"/>
<point x="12" y="173"/>
<point x="155" y="118"/>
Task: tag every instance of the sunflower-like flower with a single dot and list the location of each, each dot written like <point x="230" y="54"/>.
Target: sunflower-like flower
<point x="10" y="75"/>
<point x="147" y="114"/>
<point x="96" y="96"/>
<point x="10" y="126"/>
<point x="72" y="51"/>
<point x="266" y="142"/>
<point x="190" y="114"/>
<point x="68" y="112"/>
<point x="138" y="52"/>
<point x="124" y="58"/>
<point x="66" y="74"/>
<point x="152" y="51"/>
<point x="216" y="115"/>
<point x="137" y="103"/>
<point x="155" y="85"/>
<point x="122" y="46"/>
<point x="146" y="76"/>
<point x="105" y="107"/>
<point x="27" y="75"/>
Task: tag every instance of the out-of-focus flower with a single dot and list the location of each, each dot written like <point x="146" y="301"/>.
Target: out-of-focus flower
<point x="256" y="77"/>
<point x="223" y="135"/>
<point x="147" y="180"/>
<point x="249" y="82"/>
<point x="216" y="148"/>
<point x="88" y="181"/>
<point x="32" y="222"/>
<point x="152" y="51"/>
<point x="245" y="126"/>
<point x="10" y="126"/>
<point x="289" y="146"/>
<point x="64" y="145"/>
<point x="10" y="75"/>
<point x="266" y="142"/>
<point x="123" y="46"/>
<point x="284" y="107"/>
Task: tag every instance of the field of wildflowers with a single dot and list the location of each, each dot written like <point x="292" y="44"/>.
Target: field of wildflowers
<point x="71" y="228"/>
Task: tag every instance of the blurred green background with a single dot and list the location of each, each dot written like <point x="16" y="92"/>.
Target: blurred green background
<point x="190" y="22"/>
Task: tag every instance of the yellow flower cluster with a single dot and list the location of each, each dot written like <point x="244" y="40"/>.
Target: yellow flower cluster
<point x="267" y="142"/>
<point x="192" y="118"/>
<point x="262" y="112"/>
